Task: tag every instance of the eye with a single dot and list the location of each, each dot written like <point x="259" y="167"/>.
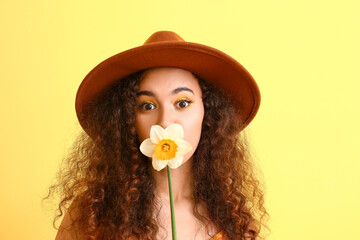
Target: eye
<point x="183" y="103"/>
<point x="147" y="106"/>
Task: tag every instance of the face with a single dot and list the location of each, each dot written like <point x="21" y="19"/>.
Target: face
<point x="167" y="96"/>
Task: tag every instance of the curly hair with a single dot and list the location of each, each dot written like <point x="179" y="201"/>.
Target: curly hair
<point x="110" y="183"/>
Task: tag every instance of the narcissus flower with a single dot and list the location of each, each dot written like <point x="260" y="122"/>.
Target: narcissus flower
<point x="165" y="146"/>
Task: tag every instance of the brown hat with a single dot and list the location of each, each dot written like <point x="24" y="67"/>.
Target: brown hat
<point x="168" y="49"/>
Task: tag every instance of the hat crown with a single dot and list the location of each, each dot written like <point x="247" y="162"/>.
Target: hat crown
<point x="168" y="49"/>
<point x="164" y="36"/>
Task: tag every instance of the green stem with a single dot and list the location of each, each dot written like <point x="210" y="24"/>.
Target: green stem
<point x="173" y="224"/>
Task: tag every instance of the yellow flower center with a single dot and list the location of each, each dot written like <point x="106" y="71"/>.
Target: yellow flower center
<point x="165" y="149"/>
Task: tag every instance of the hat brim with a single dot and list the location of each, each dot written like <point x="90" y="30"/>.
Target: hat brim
<point x="207" y="62"/>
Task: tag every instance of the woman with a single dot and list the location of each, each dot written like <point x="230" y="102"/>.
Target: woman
<point x="115" y="191"/>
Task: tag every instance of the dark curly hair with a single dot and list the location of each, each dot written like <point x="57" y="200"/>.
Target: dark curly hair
<point x="110" y="183"/>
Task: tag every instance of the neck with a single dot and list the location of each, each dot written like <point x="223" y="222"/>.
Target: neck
<point x="182" y="183"/>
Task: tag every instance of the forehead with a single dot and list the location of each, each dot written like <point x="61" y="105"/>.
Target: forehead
<point x="166" y="79"/>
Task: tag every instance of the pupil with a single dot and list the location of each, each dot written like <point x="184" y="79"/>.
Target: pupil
<point x="148" y="107"/>
<point x="183" y="104"/>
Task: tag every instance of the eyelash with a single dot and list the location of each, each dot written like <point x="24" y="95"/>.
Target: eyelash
<point x="188" y="101"/>
<point x="143" y="105"/>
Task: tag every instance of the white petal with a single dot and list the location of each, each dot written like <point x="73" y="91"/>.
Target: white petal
<point x="176" y="162"/>
<point x="157" y="133"/>
<point x="147" y="147"/>
<point x="158" y="164"/>
<point x="183" y="147"/>
<point x="174" y="131"/>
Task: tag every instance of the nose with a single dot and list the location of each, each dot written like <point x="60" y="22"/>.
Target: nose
<point x="166" y="117"/>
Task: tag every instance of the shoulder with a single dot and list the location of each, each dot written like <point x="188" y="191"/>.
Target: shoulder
<point x="251" y="232"/>
<point x="67" y="229"/>
<point x="219" y="236"/>
<point x="249" y="235"/>
<point x="222" y="236"/>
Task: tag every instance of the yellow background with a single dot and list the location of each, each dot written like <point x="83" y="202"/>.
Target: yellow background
<point x="305" y="56"/>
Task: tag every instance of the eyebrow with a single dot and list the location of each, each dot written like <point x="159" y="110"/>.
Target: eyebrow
<point x="175" y="91"/>
<point x="180" y="89"/>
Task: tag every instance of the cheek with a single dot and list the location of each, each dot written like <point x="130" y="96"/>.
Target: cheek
<point x="142" y="128"/>
<point x="193" y="127"/>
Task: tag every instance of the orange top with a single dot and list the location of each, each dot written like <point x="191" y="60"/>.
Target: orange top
<point x="219" y="236"/>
